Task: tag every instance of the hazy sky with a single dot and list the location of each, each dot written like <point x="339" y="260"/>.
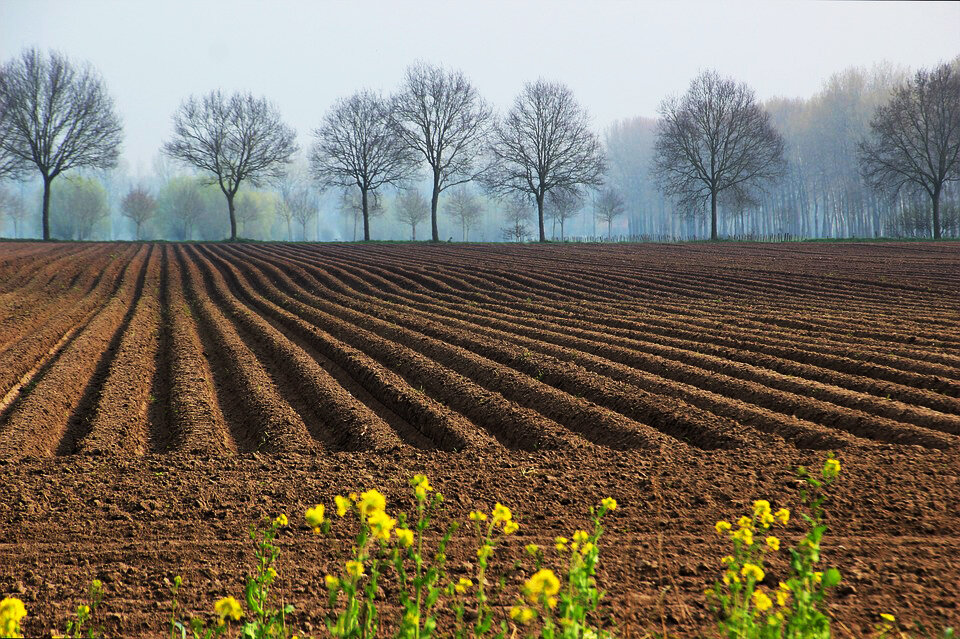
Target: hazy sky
<point x="621" y="58"/>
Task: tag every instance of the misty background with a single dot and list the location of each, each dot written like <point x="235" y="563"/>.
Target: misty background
<point x="819" y="68"/>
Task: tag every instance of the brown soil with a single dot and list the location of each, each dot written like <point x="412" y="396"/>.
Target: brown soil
<point x="157" y="399"/>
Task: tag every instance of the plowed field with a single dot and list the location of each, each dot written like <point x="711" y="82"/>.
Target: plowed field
<point x="156" y="399"/>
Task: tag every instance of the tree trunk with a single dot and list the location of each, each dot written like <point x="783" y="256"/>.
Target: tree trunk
<point x="713" y="215"/>
<point x="233" y="217"/>
<point x="138" y="231"/>
<point x="543" y="235"/>
<point x="561" y="229"/>
<point x="366" y="216"/>
<point x="610" y="229"/>
<point x="413" y="231"/>
<point x="289" y="231"/>
<point x="46" y="206"/>
<point x="936" y="213"/>
<point x="434" y="199"/>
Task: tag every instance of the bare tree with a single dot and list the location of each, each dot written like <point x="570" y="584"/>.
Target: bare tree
<point x="441" y="117"/>
<point x="544" y="143"/>
<point x="607" y="207"/>
<point x="357" y="147"/>
<point x="297" y="204"/>
<point x="351" y="207"/>
<point x="562" y="205"/>
<point x="713" y="138"/>
<point x="915" y="137"/>
<point x="236" y="139"/>
<point x="412" y="208"/>
<point x="139" y="207"/>
<point x="56" y="116"/>
<point x="465" y="208"/>
<point x="517" y="214"/>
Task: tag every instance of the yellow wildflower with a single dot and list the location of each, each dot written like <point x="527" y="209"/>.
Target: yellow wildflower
<point x="783" y="597"/>
<point x="510" y="527"/>
<point x="580" y="536"/>
<point x="404" y="536"/>
<point x="331" y="582"/>
<point x="722" y="527"/>
<point x="355" y="568"/>
<point x="83" y="611"/>
<point x="752" y="571"/>
<point x="745" y="536"/>
<point x="831" y="468"/>
<point x="12" y="611"/>
<point x="314" y="517"/>
<point x="531" y="549"/>
<point x="727" y="560"/>
<point x="817" y="577"/>
<point x="501" y="513"/>
<point x="766" y="519"/>
<point x="761" y="506"/>
<point x="381" y="524"/>
<point x="782" y="515"/>
<point x="745" y="522"/>
<point x="372" y="501"/>
<point x="343" y="505"/>
<point x="730" y="577"/>
<point x="561" y="543"/>
<point x="522" y="614"/>
<point x="280" y="521"/>
<point x="544" y="582"/>
<point x="228" y="607"/>
<point x="586" y="548"/>
<point x="609" y="503"/>
<point x="412" y="618"/>
<point x="888" y="617"/>
<point x="761" y="601"/>
<point x="552" y="602"/>
<point x="462" y="585"/>
<point x="478" y="515"/>
<point x="421" y="486"/>
<point x="484" y="551"/>
<point x="96" y="584"/>
<point x="773" y="543"/>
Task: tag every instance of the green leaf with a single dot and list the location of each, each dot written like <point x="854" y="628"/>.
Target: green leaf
<point x="831" y="578"/>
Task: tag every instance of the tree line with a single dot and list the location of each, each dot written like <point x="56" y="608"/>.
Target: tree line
<point x="869" y="155"/>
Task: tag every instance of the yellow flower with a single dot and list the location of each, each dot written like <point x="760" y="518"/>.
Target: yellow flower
<point x="784" y="587"/>
<point x="343" y="505"/>
<point x="83" y="611"/>
<point x="331" y="582"/>
<point x="817" y="577"/>
<point x="773" y="543"/>
<point x="722" y="527"/>
<point x="372" y="501"/>
<point x="831" y="468"/>
<point x="510" y="527"/>
<point x="745" y="536"/>
<point x="484" y="551"/>
<point x="532" y="549"/>
<point x="609" y="503"/>
<point x="280" y="521"/>
<point x="314" y="517"/>
<point x="228" y="607"/>
<point x="544" y="582"/>
<point x="727" y="560"/>
<point x="551" y="602"/>
<point x="783" y="597"/>
<point x="478" y="515"/>
<point x="421" y="486"/>
<point x="354" y="568"/>
<point x="888" y="617"/>
<point x="745" y="522"/>
<point x="752" y="570"/>
<point x="405" y="536"/>
<point x="12" y="611"/>
<point x="561" y="543"/>
<point x="761" y="506"/>
<point x="761" y="601"/>
<point x="782" y="515"/>
<point x="412" y="618"/>
<point x="580" y="536"/>
<point x="381" y="524"/>
<point x="730" y="577"/>
<point x="501" y="513"/>
<point x="586" y="548"/>
<point x="462" y="585"/>
<point x="522" y="614"/>
<point x="271" y="573"/>
<point x="766" y="519"/>
<point x="96" y="584"/>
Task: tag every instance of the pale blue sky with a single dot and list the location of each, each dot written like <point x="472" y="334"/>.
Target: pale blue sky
<point x="621" y="58"/>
